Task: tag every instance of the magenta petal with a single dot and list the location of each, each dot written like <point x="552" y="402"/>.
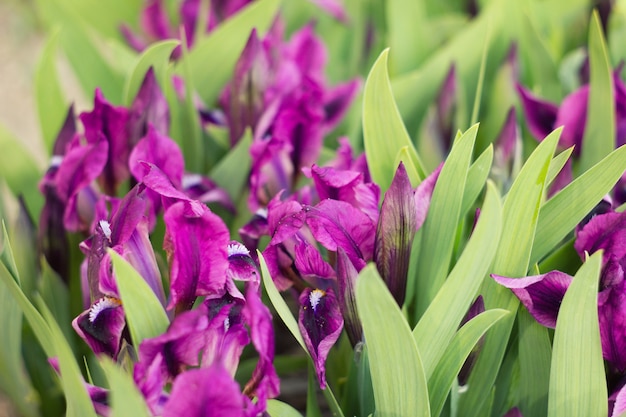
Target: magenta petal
<point x="241" y="266"/>
<point x="513" y="412"/>
<point x="423" y="195"/>
<point x="540" y="115"/>
<point x="80" y="166"/>
<point x="541" y="294"/>
<point x="196" y="241"/>
<point x="320" y="324"/>
<point x="335" y="223"/>
<point x="604" y="231"/>
<point x="619" y="407"/>
<point x="101" y="326"/>
<point x="572" y="116"/>
<point x="149" y="108"/>
<point x="201" y="188"/>
<point x="334" y="8"/>
<point x="205" y="392"/>
<point x="337" y="102"/>
<point x="284" y="218"/>
<point x="161" y="151"/>
<point x="154" y="20"/>
<point x="310" y="263"/>
<point x="612" y="317"/>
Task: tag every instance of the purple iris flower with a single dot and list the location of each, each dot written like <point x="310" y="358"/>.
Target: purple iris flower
<point x="542" y="294"/>
<point x="543" y="117"/>
<point x="279" y="90"/>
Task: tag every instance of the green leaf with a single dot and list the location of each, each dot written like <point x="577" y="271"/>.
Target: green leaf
<point x="126" y="400"/>
<point x="156" y="56"/>
<point x="577" y="199"/>
<point x="577" y="379"/>
<point x="481" y="78"/>
<point x="476" y="178"/>
<point x="398" y="377"/>
<point x="404" y="156"/>
<point x="78" y="402"/>
<point x="446" y="311"/>
<point x="312" y="405"/>
<point x="519" y="223"/>
<point x="145" y="315"/>
<point x="51" y="103"/>
<point x="276" y="408"/>
<point x="20" y="170"/>
<point x="456" y="353"/>
<point x="384" y="134"/>
<point x="279" y="304"/>
<point x="599" y="137"/>
<point x="407" y="36"/>
<point x="231" y="172"/>
<point x="558" y="162"/>
<point x="440" y="227"/>
<point x="213" y="58"/>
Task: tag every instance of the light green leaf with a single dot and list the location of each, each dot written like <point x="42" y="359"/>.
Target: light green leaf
<point x="156" y="56"/>
<point x="535" y="351"/>
<point x="407" y="36"/>
<point x="440" y="227"/>
<point x="78" y="402"/>
<point x="404" y="156"/>
<point x="277" y="408"/>
<point x="279" y="304"/>
<point x="20" y="170"/>
<point x="398" y="377"/>
<point x="213" y="58"/>
<point x="576" y="199"/>
<point x="51" y="103"/>
<point x="126" y="400"/>
<point x="557" y="164"/>
<point x="519" y="222"/>
<point x="455" y="355"/>
<point x="384" y="133"/>
<point x="481" y="78"/>
<point x="599" y="137"/>
<point x="231" y="172"/>
<point x="145" y="315"/>
<point x="577" y="380"/>
<point x="444" y="314"/>
<point x="476" y="177"/>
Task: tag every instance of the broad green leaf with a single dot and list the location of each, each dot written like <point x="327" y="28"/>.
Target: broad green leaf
<point x="476" y="176"/>
<point x="398" y="377"/>
<point x="335" y="409"/>
<point x="51" y="103"/>
<point x="156" y="56"/>
<point x="440" y="227"/>
<point x="519" y="222"/>
<point x="213" y="58"/>
<point x="20" y="170"/>
<point x="576" y="199"/>
<point x="125" y="398"/>
<point x="14" y="381"/>
<point x="231" y="173"/>
<point x="279" y="304"/>
<point x="446" y="311"/>
<point x="384" y="133"/>
<point x="404" y="156"/>
<point x="599" y="137"/>
<point x="577" y="380"/>
<point x="407" y="34"/>
<point x="145" y="315"/>
<point x="78" y="402"/>
<point x="55" y="294"/>
<point x="535" y="351"/>
<point x="481" y="78"/>
<point x="456" y="352"/>
<point x="558" y="162"/>
<point x="276" y="408"/>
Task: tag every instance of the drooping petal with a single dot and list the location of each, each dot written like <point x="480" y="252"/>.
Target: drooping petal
<point x="540" y="115"/>
<point x="604" y="231"/>
<point x="205" y="392"/>
<point x="541" y="294"/>
<point x="196" y="241"/>
<point x="320" y="324"/>
<point x="101" y="326"/>
<point x="395" y="233"/>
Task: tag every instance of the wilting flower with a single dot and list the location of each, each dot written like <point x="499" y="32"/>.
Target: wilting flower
<point x="542" y="294"/>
